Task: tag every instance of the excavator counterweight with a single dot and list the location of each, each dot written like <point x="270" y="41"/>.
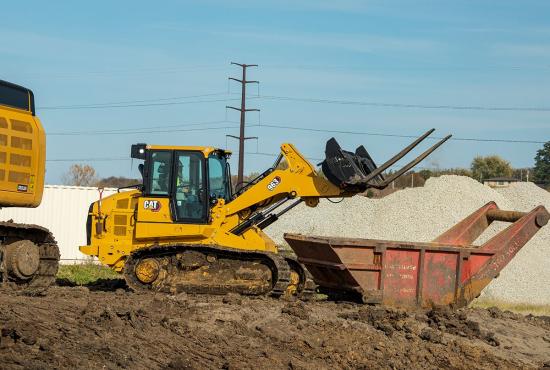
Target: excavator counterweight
<point x="28" y="253"/>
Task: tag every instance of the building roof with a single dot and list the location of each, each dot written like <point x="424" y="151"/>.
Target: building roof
<point x="507" y="179"/>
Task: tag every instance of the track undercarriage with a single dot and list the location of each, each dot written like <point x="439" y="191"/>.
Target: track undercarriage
<point x="29" y="256"/>
<point x="203" y="269"/>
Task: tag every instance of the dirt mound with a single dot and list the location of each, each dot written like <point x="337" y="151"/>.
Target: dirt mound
<point x="71" y="327"/>
<point x="457" y="323"/>
<point x="430" y="326"/>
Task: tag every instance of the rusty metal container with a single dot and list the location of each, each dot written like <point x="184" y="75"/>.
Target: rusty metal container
<point x="447" y="271"/>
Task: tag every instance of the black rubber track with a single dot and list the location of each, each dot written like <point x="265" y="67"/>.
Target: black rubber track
<point x="277" y="263"/>
<point x="49" y="255"/>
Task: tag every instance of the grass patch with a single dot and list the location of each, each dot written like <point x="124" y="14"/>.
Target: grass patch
<point x="522" y="308"/>
<point x="85" y="273"/>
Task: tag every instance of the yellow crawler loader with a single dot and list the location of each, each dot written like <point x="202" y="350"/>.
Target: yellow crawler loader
<point x="29" y="255"/>
<point x="185" y="230"/>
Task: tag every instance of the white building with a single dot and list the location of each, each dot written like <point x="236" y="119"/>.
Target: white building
<point x="500" y="182"/>
<point x="63" y="211"/>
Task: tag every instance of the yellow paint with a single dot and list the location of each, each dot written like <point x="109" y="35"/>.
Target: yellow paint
<point x="141" y="223"/>
<point x="147" y="270"/>
<point x="22" y="158"/>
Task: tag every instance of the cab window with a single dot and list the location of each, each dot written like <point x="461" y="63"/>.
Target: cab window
<point x="161" y="166"/>
<point x="191" y="204"/>
<point x="16" y="96"/>
<point x="217" y="178"/>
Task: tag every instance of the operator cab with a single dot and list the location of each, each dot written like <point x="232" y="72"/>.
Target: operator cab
<point x="194" y="178"/>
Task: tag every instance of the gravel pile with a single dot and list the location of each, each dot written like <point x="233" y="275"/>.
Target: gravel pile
<point x="421" y="214"/>
<point x="526" y="279"/>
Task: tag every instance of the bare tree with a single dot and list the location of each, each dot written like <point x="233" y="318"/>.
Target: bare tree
<point x="80" y="175"/>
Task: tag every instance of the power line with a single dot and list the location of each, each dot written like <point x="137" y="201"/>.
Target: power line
<point x="401" y="105"/>
<point x="396" y="135"/>
<point x="170" y="69"/>
<point x="137" y="129"/>
<point x="154" y="129"/>
<point x="109" y="159"/>
<point x="312" y="159"/>
<point x="129" y="101"/>
<point x="163" y="101"/>
<point x="134" y="105"/>
<point x="128" y="71"/>
<point x="164" y="131"/>
<point x="404" y="68"/>
<point x="104" y="159"/>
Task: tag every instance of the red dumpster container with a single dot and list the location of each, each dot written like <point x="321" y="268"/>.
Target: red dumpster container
<point x="446" y="271"/>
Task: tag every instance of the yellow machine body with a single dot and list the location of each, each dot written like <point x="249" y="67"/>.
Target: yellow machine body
<point x="22" y="155"/>
<point x="185" y="229"/>
<point x="29" y="255"/>
<point x="130" y="220"/>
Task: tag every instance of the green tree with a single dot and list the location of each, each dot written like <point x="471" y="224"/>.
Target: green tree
<point x="426" y="174"/>
<point x="490" y="166"/>
<point x="542" y="165"/>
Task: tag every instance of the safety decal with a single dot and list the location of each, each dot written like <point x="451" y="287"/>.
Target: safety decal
<point x="273" y="184"/>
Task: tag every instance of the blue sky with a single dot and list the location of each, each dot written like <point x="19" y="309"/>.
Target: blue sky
<point x="176" y="55"/>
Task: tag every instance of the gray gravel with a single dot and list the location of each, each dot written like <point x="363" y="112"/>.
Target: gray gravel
<point x="421" y="214"/>
<point x="526" y="279"/>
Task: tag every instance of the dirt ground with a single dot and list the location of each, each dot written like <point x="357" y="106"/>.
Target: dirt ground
<point x="104" y="326"/>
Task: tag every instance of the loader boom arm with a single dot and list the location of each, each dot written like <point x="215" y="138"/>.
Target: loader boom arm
<point x="299" y="180"/>
<point x="346" y="174"/>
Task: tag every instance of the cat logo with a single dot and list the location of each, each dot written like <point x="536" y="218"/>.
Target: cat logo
<point x="153" y="205"/>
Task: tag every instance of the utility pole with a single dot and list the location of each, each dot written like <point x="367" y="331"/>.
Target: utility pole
<point x="521" y="174"/>
<point x="243" y="111"/>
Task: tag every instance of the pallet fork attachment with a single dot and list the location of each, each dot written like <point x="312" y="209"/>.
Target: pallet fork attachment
<point x="359" y="171"/>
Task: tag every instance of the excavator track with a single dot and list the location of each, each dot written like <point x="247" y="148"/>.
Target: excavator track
<point x="211" y="270"/>
<point x="29" y="257"/>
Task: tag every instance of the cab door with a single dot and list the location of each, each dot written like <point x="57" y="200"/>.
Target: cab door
<point x="189" y="191"/>
<point x="173" y="203"/>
